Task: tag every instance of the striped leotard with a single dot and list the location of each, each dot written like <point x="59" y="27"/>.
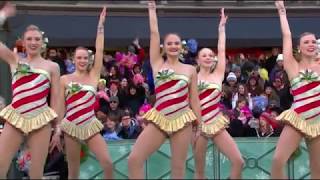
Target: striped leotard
<point x="304" y="113"/>
<point x="80" y="120"/>
<point x="29" y="109"/>
<point x="171" y="111"/>
<point x="212" y="119"/>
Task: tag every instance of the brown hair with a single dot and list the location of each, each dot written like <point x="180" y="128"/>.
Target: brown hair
<point x="33" y="28"/>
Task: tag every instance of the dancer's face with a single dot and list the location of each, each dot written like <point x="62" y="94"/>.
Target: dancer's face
<point x="172" y="45"/>
<point x="308" y="45"/>
<point x="81" y="59"/>
<point x="206" y="58"/>
<point x="33" y="42"/>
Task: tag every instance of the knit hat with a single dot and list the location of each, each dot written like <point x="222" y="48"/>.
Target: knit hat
<point x="231" y="76"/>
<point x="280" y="57"/>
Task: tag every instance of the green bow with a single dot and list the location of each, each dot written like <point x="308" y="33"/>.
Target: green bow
<point x="23" y="68"/>
<point x="75" y="87"/>
<point x="308" y="76"/>
<point x="165" y="74"/>
<point x="203" y="85"/>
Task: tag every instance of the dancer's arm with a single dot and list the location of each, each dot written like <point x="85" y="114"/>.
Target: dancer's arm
<point x="98" y="62"/>
<point x="55" y="89"/>
<point x="155" y="56"/>
<point x="55" y="141"/>
<point x="221" y="64"/>
<point x="289" y="62"/>
<point x="5" y="53"/>
<point x="194" y="96"/>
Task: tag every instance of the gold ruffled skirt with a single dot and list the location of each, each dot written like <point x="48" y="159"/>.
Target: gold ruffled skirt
<point x="27" y="125"/>
<point x="219" y="123"/>
<point x="309" y="128"/>
<point x="170" y="125"/>
<point x="81" y="132"/>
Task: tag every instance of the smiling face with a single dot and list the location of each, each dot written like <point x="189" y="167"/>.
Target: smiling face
<point x="241" y="89"/>
<point x="81" y="59"/>
<point x="172" y="45"/>
<point x="205" y="58"/>
<point x="308" y="45"/>
<point x="32" y="41"/>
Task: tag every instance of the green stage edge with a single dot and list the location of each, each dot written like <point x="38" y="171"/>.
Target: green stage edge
<point x="257" y="154"/>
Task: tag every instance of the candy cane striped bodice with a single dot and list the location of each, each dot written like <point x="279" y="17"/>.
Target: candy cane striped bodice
<point x="30" y="90"/>
<point x="306" y="94"/>
<point x="209" y="95"/>
<point x="80" y="103"/>
<point x="171" y="93"/>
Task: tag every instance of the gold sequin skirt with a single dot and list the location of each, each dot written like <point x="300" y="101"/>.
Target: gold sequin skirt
<point x="219" y="123"/>
<point x="28" y="124"/>
<point x="310" y="128"/>
<point x="170" y="125"/>
<point x="81" y="132"/>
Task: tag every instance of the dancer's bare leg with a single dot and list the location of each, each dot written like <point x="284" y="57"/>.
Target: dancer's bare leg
<point x="10" y="141"/>
<point x="150" y="139"/>
<point x="200" y="151"/>
<point x="288" y="142"/>
<point x="314" y="158"/>
<point x="99" y="147"/>
<point x="73" y="148"/>
<point x="229" y="148"/>
<point x="38" y="142"/>
<point x="180" y="142"/>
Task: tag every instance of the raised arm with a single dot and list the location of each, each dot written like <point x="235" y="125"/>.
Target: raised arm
<point x="98" y="62"/>
<point x="155" y="56"/>
<point x="5" y="53"/>
<point x="289" y="62"/>
<point x="221" y="64"/>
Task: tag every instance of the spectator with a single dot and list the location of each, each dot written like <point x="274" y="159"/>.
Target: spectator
<point x="135" y="98"/>
<point x="123" y="92"/>
<point x="278" y="67"/>
<point x="53" y="56"/>
<point x="242" y="93"/>
<point x="109" y="132"/>
<point x="253" y="86"/>
<point x="114" y="74"/>
<point x="283" y="92"/>
<point x="143" y="109"/>
<point x="114" y="106"/>
<point x="129" y="128"/>
<point x="230" y="87"/>
<point x="113" y="88"/>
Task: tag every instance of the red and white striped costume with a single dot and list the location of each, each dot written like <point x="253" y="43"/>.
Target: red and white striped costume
<point x="80" y="120"/>
<point x="305" y="112"/>
<point x="212" y="119"/>
<point x="171" y="111"/>
<point x="29" y="109"/>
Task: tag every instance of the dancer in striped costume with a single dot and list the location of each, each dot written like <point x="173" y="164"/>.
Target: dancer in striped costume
<point x="171" y="116"/>
<point x="78" y="93"/>
<point x="213" y="124"/>
<point x="303" y="118"/>
<point x="29" y="113"/>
